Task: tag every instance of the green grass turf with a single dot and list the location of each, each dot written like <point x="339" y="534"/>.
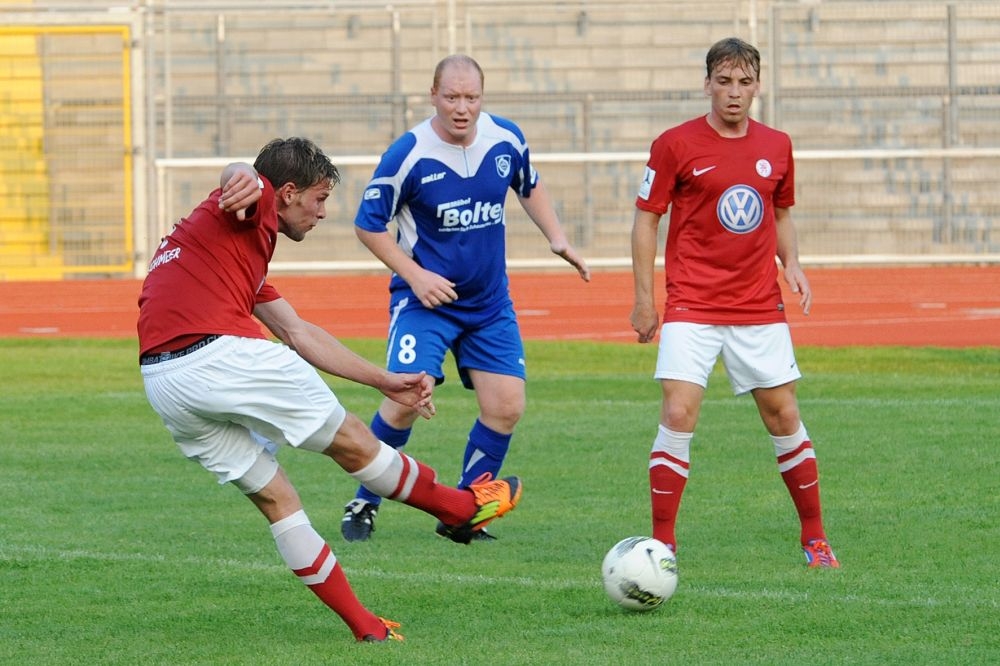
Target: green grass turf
<point x="115" y="550"/>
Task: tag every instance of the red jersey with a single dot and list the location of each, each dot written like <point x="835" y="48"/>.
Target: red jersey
<point x="722" y="240"/>
<point x="208" y="274"/>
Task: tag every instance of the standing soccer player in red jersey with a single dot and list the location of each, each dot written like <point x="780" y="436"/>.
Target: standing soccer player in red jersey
<point x="728" y="182"/>
<point x="231" y="397"/>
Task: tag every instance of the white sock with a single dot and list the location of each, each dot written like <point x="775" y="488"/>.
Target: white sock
<point x="391" y="474"/>
<point x="305" y="552"/>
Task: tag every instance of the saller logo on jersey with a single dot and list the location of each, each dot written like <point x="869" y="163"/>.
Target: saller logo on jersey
<point x="466" y="213"/>
<point x="740" y="209"/>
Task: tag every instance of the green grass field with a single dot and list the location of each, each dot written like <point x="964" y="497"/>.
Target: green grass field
<point x="115" y="550"/>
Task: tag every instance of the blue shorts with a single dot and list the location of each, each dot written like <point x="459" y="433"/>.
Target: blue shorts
<point x="419" y="337"/>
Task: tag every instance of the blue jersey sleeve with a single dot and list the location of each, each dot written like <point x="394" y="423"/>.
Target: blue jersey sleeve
<point x="381" y="200"/>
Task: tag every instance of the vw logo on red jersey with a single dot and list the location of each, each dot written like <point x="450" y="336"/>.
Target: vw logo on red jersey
<point x="740" y="209"/>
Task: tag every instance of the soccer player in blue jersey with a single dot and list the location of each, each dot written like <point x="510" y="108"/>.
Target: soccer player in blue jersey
<point x="444" y="184"/>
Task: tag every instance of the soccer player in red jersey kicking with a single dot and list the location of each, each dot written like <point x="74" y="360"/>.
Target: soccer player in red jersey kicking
<point x="728" y="182"/>
<point x="230" y="396"/>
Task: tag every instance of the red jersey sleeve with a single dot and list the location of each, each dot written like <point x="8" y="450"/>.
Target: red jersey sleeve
<point x="267" y="294"/>
<point x="655" y="191"/>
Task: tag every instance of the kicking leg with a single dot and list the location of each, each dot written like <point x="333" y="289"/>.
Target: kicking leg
<point x="360" y="513"/>
<point x="305" y="552"/>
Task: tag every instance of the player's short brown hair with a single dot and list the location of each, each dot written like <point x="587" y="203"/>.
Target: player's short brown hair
<point x="295" y="160"/>
<point x="733" y="50"/>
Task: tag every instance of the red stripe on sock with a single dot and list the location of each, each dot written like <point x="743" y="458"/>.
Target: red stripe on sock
<point x="796" y="451"/>
<point x="317" y="565"/>
<point x="670" y="458"/>
<point x="403" y="476"/>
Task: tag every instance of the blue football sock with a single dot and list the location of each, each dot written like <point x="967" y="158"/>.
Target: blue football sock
<point x="484" y="452"/>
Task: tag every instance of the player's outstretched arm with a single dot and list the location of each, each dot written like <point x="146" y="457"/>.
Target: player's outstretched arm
<point x="539" y="208"/>
<point x="327" y="353"/>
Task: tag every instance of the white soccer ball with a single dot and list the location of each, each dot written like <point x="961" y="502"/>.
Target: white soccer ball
<point x="640" y="573"/>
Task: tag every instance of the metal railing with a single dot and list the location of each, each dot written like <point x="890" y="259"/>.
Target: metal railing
<point x="942" y="233"/>
<point x="891" y="106"/>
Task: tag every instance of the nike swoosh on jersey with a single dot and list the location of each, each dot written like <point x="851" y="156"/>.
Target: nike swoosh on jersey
<point x="698" y="172"/>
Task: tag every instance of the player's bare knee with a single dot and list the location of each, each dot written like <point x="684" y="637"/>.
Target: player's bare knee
<point x="679" y="416"/>
<point x="502" y="419"/>
<point x="515" y="410"/>
<point x="501" y="412"/>
<point x="781" y="419"/>
<point x="277" y="499"/>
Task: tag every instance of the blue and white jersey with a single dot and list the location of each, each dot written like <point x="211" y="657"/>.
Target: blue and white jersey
<point x="448" y="204"/>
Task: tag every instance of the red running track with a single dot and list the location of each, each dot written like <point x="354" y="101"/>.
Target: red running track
<point x="944" y="306"/>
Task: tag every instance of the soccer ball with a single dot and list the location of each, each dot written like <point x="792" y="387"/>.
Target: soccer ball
<point x="640" y="573"/>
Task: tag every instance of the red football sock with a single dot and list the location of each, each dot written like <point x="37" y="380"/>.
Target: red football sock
<point x="669" y="462"/>
<point x="310" y="558"/>
<point x="665" y="489"/>
<point x="400" y="477"/>
<point x="336" y="592"/>
<point x="448" y="504"/>
<point x="801" y="476"/>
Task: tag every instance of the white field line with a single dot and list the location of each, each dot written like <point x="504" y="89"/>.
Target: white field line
<point x="973" y="599"/>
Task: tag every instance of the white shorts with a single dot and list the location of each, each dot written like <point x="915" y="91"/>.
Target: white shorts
<point x="236" y="400"/>
<point x="754" y="356"/>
